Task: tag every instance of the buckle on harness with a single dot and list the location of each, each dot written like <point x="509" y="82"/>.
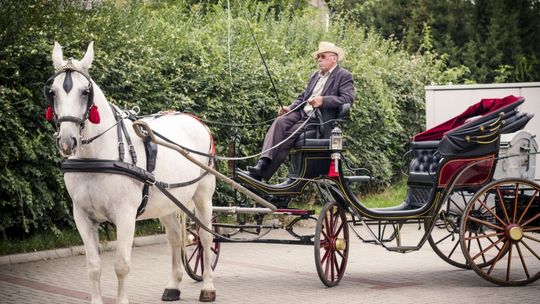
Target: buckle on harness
<point x="151" y="181"/>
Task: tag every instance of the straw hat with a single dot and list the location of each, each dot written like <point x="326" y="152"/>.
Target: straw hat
<point x="325" y="46"/>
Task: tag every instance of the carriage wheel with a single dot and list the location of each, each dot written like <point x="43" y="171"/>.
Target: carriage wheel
<point x="193" y="252"/>
<point x="331" y="244"/>
<point x="501" y="224"/>
<point x="444" y="238"/>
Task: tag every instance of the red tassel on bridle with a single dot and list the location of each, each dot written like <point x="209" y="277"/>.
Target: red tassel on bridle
<point x="94" y="115"/>
<point x="49" y="114"/>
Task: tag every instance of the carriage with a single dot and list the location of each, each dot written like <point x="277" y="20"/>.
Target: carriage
<point x="493" y="229"/>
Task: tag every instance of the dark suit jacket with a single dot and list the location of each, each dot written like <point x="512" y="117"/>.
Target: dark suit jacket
<point x="338" y="90"/>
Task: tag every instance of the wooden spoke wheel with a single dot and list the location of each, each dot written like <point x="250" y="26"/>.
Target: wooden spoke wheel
<point x="444" y="238"/>
<point x="193" y="252"/>
<point x="331" y="244"/>
<point x="500" y="232"/>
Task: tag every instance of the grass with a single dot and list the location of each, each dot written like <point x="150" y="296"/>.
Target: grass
<point x="393" y="196"/>
<point x="66" y="238"/>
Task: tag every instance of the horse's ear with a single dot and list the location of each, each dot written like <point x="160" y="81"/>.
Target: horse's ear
<point x="57" y="56"/>
<point x="86" y="62"/>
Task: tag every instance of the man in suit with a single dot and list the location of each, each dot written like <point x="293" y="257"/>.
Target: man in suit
<point x="327" y="89"/>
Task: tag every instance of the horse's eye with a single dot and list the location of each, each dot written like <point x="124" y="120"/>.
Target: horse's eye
<point x="50" y="93"/>
<point x="85" y="93"/>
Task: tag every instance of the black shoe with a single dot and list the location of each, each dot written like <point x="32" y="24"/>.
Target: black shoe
<point x="257" y="171"/>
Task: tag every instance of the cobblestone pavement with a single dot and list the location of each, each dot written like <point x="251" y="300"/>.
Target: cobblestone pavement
<point x="266" y="273"/>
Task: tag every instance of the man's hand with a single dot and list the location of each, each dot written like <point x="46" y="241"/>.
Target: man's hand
<point x="316" y="101"/>
<point x="283" y="110"/>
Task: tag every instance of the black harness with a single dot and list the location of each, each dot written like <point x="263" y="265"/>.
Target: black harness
<point x="110" y="166"/>
<point x="124" y="168"/>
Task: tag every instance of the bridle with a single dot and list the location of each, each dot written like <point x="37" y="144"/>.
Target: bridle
<point x="68" y="68"/>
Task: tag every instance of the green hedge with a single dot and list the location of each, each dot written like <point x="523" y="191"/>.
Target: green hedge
<point x="171" y="56"/>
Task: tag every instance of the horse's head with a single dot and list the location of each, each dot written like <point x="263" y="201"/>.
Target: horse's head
<point x="69" y="93"/>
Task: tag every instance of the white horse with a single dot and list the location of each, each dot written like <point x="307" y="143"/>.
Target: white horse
<point x="100" y="197"/>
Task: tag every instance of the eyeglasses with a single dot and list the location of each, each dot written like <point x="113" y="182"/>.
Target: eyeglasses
<point x="324" y="56"/>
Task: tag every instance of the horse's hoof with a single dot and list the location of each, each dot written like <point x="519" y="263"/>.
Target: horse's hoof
<point x="207" y="296"/>
<point x="170" y="295"/>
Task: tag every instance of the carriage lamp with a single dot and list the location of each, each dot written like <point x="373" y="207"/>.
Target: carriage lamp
<point x="336" y="145"/>
<point x="336" y="139"/>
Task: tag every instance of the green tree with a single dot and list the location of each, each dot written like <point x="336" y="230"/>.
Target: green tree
<point x="496" y="40"/>
<point x="168" y="55"/>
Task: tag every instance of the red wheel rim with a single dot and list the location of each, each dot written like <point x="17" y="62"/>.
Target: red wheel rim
<point x="194" y="254"/>
<point x="332" y="244"/>
<point x="504" y="219"/>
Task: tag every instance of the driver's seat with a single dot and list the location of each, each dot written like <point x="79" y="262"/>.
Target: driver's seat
<point x="310" y="156"/>
<point x="318" y="134"/>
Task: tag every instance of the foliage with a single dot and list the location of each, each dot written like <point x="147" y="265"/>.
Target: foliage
<point x="390" y="197"/>
<point x="168" y="55"/>
<point x="496" y="40"/>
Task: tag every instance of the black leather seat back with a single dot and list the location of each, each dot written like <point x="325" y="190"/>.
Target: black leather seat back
<point x="422" y="172"/>
<point x="313" y="135"/>
<point x="425" y="162"/>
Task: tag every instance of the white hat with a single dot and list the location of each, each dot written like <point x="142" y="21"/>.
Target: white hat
<point x="325" y="46"/>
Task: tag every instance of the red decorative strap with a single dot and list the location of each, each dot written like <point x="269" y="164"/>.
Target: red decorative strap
<point x="94" y="115"/>
<point x="49" y="114"/>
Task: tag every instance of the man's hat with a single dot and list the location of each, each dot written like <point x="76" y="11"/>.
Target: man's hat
<point x="325" y="46"/>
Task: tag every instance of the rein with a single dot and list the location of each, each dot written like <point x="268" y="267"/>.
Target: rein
<point x="299" y="129"/>
<point x="228" y="124"/>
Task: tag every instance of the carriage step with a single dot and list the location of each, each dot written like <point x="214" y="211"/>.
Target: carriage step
<point x="247" y="226"/>
<point x="236" y="210"/>
<point x="403" y="249"/>
<point x="359" y="178"/>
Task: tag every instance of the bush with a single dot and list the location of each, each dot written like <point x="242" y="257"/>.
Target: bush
<point x="170" y="56"/>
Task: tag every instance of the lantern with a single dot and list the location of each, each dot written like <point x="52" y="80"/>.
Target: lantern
<point x="336" y="145"/>
<point x="336" y="140"/>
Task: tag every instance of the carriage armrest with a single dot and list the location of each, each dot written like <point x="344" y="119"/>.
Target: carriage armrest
<point x="431" y="144"/>
<point x="343" y="111"/>
<point x="315" y="142"/>
<point x="358" y="179"/>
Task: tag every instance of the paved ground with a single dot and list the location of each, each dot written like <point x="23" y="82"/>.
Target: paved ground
<point x="267" y="273"/>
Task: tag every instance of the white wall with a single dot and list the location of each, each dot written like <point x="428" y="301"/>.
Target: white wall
<point x="445" y="102"/>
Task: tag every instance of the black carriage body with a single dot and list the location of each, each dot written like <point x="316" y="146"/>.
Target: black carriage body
<point x="464" y="158"/>
<point x="457" y="157"/>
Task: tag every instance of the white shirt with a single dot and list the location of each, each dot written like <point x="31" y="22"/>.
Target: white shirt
<point x="317" y="90"/>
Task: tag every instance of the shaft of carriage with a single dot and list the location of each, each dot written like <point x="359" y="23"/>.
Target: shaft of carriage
<point x="144" y="131"/>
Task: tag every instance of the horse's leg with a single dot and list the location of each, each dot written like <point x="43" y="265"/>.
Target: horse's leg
<point x="203" y="205"/>
<point x="88" y="229"/>
<point x="125" y="230"/>
<point x="174" y="235"/>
